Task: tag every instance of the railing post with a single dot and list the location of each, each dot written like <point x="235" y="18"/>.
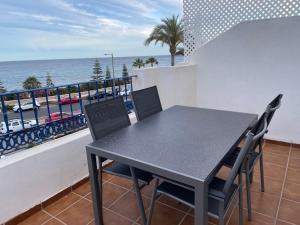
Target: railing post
<point x="89" y="93"/>
<point x="4" y="112"/>
<point x="71" y="106"/>
<point x="35" y="108"/>
<point x="97" y="91"/>
<point x="119" y="85"/>
<point x="59" y="102"/>
<point x="20" y="109"/>
<point x="47" y="102"/>
<point x="80" y="99"/>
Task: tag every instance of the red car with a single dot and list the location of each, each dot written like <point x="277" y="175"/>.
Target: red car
<point x="65" y="101"/>
<point x="56" y="116"/>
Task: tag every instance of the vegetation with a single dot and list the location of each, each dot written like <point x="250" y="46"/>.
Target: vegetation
<point x="31" y="83"/>
<point x="2" y="88"/>
<point x="169" y="32"/>
<point x="49" y="82"/>
<point x="107" y="73"/>
<point x="139" y="62"/>
<point x="125" y="71"/>
<point x="151" y="61"/>
<point x="97" y="71"/>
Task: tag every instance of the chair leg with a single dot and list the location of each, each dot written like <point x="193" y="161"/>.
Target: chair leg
<point x="152" y="204"/>
<point x="138" y="197"/>
<point x="262" y="177"/>
<point x="241" y="217"/>
<point x="248" y="194"/>
<point x="261" y="160"/>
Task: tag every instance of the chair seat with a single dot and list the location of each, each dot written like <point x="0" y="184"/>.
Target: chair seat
<point x="123" y="170"/>
<point x="186" y="196"/>
<point x="230" y="160"/>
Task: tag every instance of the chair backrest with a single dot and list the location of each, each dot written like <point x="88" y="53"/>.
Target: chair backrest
<point x="146" y="102"/>
<point x="255" y="134"/>
<point x="273" y="106"/>
<point x="106" y="117"/>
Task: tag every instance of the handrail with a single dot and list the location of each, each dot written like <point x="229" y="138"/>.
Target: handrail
<point x="68" y="118"/>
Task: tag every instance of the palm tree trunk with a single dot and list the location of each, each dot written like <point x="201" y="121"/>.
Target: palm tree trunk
<point x="172" y="59"/>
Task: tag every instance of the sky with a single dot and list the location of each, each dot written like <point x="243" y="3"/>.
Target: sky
<point x="57" y="29"/>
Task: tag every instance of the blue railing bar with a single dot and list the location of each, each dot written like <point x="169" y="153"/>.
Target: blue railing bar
<point x="97" y="91"/>
<point x="119" y="86"/>
<point x="59" y="102"/>
<point x="4" y="112"/>
<point x="58" y="86"/>
<point x="104" y="85"/>
<point x="89" y="93"/>
<point x="80" y="99"/>
<point x="71" y="106"/>
<point x="20" y="110"/>
<point x="34" y="108"/>
<point x="131" y="88"/>
<point x="47" y="103"/>
<point x="125" y="89"/>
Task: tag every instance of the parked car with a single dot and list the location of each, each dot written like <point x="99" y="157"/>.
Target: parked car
<point x="123" y="92"/>
<point x="101" y="94"/>
<point x="25" y="106"/>
<point x="56" y="116"/>
<point x="67" y="100"/>
<point x="16" y="125"/>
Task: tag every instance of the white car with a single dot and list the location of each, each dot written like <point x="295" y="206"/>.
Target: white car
<point x="16" y="125"/>
<point x="123" y="92"/>
<point x="25" y="106"/>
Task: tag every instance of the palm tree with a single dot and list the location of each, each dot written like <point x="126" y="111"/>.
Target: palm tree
<point x="31" y="82"/>
<point x="151" y="61"/>
<point x="169" y="32"/>
<point x="139" y="62"/>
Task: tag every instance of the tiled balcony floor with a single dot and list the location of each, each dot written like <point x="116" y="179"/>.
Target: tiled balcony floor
<point x="278" y="205"/>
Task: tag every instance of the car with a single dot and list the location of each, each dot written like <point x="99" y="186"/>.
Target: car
<point x="56" y="116"/>
<point x="16" y="125"/>
<point x="101" y="94"/>
<point x="25" y="106"/>
<point x="123" y="92"/>
<point x="67" y="100"/>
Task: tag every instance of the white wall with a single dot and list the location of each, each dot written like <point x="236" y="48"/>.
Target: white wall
<point x="32" y="176"/>
<point x="176" y="85"/>
<point x="245" y="68"/>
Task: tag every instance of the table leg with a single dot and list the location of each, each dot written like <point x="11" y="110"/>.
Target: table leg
<point x="201" y="204"/>
<point x="96" y="187"/>
<point x="138" y="196"/>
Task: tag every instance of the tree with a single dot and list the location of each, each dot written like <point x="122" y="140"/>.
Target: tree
<point x="139" y="62"/>
<point x="2" y="88"/>
<point x="97" y="71"/>
<point x="49" y="82"/>
<point x="107" y="73"/>
<point x="169" y="32"/>
<point x="151" y="61"/>
<point x="31" y="82"/>
<point x="125" y="71"/>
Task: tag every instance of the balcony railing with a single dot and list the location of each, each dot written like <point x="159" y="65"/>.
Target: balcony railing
<point x="32" y="117"/>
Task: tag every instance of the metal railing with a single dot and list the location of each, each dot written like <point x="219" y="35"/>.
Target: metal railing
<point x="32" y="117"/>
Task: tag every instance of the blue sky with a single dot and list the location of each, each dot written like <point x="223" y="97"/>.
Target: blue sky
<point x="50" y="29"/>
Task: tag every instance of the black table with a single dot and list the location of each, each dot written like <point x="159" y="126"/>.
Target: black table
<point x="184" y="144"/>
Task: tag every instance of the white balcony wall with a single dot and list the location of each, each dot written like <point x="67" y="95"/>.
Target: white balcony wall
<point x="176" y="85"/>
<point x="32" y="176"/>
<point x="246" y="67"/>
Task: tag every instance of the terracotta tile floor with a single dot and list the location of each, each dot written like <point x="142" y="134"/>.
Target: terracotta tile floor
<point x="278" y="205"/>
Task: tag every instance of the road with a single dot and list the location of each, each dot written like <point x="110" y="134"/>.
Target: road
<point x="43" y="111"/>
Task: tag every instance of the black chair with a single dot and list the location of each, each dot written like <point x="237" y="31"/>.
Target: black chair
<point x="104" y="118"/>
<point x="146" y="102"/>
<point x="254" y="155"/>
<point x="221" y="192"/>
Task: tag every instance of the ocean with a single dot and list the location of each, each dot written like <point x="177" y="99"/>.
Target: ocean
<point x="65" y="71"/>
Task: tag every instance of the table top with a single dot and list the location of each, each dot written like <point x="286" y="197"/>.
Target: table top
<point x="183" y="143"/>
